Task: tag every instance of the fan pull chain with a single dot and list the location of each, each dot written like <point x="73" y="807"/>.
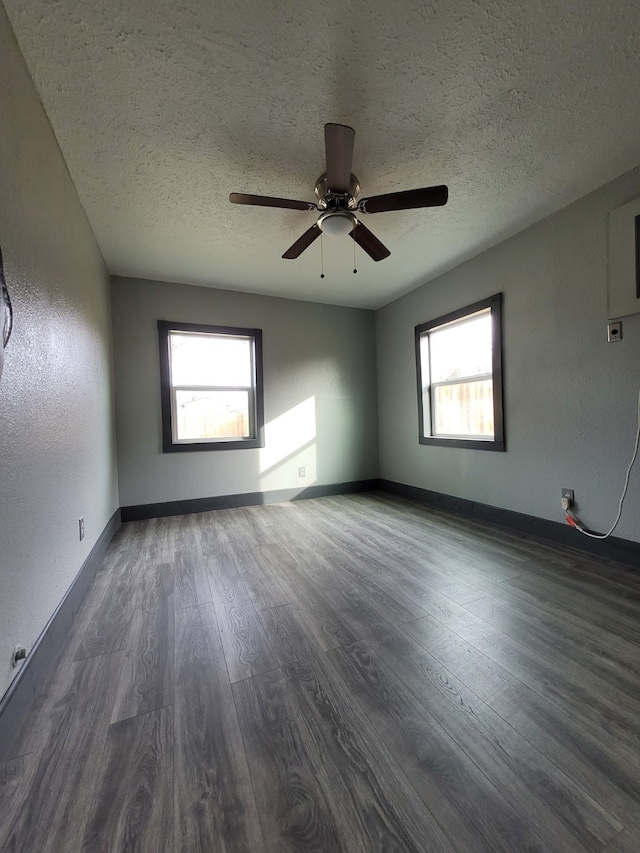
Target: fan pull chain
<point x="321" y="257"/>
<point x="354" y="258"/>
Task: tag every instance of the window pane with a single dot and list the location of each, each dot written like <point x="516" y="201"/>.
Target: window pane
<point x="212" y="414"/>
<point x="461" y="349"/>
<point x="464" y="409"/>
<point x="210" y="360"/>
<point x="424" y="361"/>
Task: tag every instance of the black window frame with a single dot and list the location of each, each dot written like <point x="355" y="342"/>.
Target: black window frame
<point x="494" y="303"/>
<point x="165" y="327"/>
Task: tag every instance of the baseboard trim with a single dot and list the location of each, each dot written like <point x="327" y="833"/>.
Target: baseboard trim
<point x="620" y="550"/>
<point x="140" y="512"/>
<point x="16" y="702"/>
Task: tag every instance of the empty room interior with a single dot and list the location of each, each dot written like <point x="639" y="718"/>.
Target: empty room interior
<point x="319" y="408"/>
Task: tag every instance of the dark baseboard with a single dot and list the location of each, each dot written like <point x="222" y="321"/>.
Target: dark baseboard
<point x="16" y="702"/>
<point x="162" y="510"/>
<point x="621" y="550"/>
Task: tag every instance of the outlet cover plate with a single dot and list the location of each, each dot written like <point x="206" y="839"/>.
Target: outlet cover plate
<point x="568" y="493"/>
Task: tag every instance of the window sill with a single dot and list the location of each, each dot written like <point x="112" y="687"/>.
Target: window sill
<point x="190" y="447"/>
<point x="469" y="444"/>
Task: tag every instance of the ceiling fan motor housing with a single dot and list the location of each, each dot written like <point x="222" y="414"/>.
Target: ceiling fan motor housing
<point x="328" y="200"/>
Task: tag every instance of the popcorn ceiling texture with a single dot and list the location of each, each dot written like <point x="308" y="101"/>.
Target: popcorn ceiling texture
<point x="163" y="108"/>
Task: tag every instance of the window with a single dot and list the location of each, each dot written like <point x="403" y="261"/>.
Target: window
<point x="211" y="387"/>
<point x="459" y="369"/>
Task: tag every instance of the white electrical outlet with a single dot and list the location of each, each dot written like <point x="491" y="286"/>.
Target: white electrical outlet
<point x="81" y="528"/>
<point x="567" y="499"/>
<point x="302" y="471"/>
<point x="19" y="653"/>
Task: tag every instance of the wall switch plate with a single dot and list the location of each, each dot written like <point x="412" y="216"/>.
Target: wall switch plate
<point x="614" y="331"/>
<point x="302" y="471"/>
<point x="81" y="528"/>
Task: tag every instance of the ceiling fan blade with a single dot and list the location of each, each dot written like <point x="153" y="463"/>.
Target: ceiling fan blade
<point x="302" y="243"/>
<point x="338" y="143"/>
<point x="426" y="197"/>
<point x="269" y="201"/>
<point x="369" y="242"/>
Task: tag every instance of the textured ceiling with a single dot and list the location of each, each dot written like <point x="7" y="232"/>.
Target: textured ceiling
<point x="163" y="107"/>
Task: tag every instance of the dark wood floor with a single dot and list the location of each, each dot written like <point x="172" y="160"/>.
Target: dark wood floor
<point x="343" y="674"/>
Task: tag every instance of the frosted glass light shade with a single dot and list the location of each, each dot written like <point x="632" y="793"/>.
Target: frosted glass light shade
<point x="337" y="224"/>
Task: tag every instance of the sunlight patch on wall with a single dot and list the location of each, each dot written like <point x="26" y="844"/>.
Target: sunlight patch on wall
<point x="290" y="444"/>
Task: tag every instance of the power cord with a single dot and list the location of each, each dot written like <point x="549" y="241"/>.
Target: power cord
<point x="574" y="522"/>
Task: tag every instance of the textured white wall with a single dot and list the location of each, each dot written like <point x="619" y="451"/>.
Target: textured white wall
<point x="57" y="452"/>
<point x="570" y="397"/>
<point x="319" y="385"/>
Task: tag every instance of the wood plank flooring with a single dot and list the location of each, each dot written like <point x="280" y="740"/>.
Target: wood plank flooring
<point x="356" y="674"/>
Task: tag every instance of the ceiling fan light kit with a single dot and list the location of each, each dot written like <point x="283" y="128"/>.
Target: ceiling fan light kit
<point x="337" y="224"/>
<point x="337" y="191"/>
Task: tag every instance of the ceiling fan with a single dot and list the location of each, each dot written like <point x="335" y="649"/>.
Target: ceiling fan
<point x="337" y="191"/>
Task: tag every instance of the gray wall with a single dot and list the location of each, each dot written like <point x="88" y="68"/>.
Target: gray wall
<point x="320" y="394"/>
<point x="570" y="397"/>
<point x="56" y="415"/>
